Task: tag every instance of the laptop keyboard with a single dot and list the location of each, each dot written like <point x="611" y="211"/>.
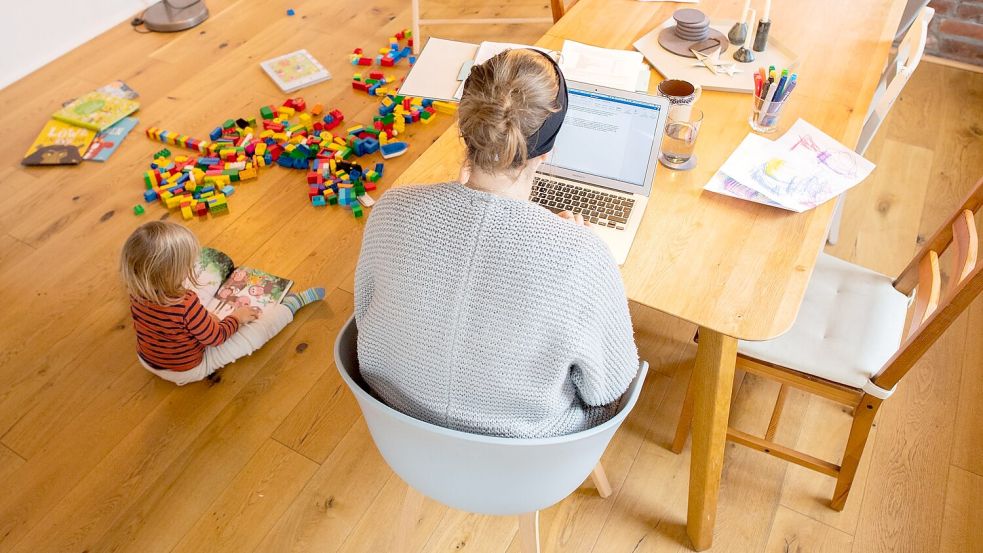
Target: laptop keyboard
<point x="600" y="208"/>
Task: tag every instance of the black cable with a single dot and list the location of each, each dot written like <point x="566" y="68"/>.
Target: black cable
<point x="137" y="21"/>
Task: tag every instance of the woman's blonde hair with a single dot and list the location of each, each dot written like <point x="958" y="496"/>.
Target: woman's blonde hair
<point x="157" y="260"/>
<point x="506" y="99"/>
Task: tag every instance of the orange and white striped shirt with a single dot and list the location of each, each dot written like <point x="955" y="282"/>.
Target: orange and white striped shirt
<point x="174" y="337"/>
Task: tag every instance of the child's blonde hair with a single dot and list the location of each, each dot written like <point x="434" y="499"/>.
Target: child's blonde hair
<point x="157" y="260"/>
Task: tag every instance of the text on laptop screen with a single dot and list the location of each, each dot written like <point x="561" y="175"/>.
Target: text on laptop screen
<point x="606" y="136"/>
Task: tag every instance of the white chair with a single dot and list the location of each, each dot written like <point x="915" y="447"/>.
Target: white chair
<point x="899" y="69"/>
<point x="857" y="335"/>
<point x="475" y="473"/>
<point x="556" y="6"/>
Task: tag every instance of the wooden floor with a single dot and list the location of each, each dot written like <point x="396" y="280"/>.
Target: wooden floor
<point x="98" y="455"/>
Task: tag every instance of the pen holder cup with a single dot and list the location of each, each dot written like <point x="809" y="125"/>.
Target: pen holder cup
<point x="764" y="114"/>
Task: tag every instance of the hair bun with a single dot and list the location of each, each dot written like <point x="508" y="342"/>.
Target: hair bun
<point x="505" y="100"/>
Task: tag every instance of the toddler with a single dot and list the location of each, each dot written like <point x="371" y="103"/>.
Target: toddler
<point x="177" y="338"/>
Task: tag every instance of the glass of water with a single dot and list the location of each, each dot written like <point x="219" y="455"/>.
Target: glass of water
<point x="682" y="128"/>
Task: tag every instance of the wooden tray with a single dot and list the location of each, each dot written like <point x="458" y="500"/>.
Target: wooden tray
<point x="672" y="66"/>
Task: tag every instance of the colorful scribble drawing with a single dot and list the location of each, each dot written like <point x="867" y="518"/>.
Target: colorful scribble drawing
<point x="781" y="178"/>
<point x="841" y="162"/>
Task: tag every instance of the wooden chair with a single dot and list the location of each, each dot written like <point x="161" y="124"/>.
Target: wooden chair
<point x="475" y="473"/>
<point x="899" y="69"/>
<point x="556" y="6"/>
<point x="846" y="344"/>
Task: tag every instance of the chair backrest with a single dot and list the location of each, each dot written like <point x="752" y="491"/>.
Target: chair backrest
<point x="933" y="308"/>
<point x="475" y="473"/>
<point x="895" y="76"/>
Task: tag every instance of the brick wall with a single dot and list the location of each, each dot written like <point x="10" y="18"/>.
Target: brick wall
<point x="956" y="31"/>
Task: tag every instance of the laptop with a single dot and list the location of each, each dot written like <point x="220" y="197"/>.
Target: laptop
<point x="603" y="161"/>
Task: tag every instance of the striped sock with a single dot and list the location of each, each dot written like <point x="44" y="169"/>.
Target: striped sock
<point x="295" y="301"/>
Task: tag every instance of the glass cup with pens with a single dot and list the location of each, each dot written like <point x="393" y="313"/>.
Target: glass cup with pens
<point x="771" y="92"/>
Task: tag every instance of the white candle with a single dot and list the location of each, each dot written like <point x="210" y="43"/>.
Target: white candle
<point x="747" y="38"/>
<point x="747" y="4"/>
<point x="767" y="15"/>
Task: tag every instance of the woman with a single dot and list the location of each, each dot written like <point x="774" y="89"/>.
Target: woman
<point x="479" y="310"/>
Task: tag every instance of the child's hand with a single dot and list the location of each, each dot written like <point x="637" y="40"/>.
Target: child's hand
<point x="246" y="314"/>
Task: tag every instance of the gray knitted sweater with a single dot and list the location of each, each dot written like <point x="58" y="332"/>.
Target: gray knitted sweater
<point x="490" y="315"/>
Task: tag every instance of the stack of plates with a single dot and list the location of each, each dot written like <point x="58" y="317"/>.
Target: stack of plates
<point x="692" y="32"/>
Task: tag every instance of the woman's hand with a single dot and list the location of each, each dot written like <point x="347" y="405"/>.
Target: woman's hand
<point x="246" y="314"/>
<point x="574" y="218"/>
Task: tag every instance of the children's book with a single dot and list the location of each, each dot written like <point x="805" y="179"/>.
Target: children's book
<point x="96" y="110"/>
<point x="108" y="140"/>
<point x="295" y="70"/>
<point x="237" y="286"/>
<point x="59" y="144"/>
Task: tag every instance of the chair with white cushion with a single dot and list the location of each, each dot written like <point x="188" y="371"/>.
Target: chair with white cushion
<point x="899" y="69"/>
<point x="476" y="473"/>
<point x="857" y="334"/>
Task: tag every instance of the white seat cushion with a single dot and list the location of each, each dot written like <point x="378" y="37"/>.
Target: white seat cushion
<point x="849" y="325"/>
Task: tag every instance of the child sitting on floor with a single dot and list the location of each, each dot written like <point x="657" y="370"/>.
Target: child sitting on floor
<point x="177" y="339"/>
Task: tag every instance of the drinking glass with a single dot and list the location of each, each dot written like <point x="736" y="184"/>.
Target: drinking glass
<point x="680" y="140"/>
<point x="764" y="114"/>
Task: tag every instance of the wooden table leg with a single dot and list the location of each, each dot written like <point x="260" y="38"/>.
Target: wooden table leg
<point x="713" y="378"/>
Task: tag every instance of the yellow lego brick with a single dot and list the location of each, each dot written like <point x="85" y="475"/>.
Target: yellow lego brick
<point x="260" y="149"/>
<point x="247" y="173"/>
<point x="186" y="213"/>
<point x="285" y="111"/>
<point x="446" y="108"/>
<point x="355" y="129"/>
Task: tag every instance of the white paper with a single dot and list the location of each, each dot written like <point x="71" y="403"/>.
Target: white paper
<point x="722" y="184"/>
<point x="799" y="171"/>
<point x="601" y="66"/>
<point x="434" y="75"/>
<point x="488" y="50"/>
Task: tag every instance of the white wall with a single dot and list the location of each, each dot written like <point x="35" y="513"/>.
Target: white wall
<point x="36" y="32"/>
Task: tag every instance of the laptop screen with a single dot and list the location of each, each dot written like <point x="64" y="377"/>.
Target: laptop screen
<point x="607" y="136"/>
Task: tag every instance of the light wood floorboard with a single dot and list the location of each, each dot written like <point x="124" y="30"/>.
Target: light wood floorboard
<point x="98" y="455"/>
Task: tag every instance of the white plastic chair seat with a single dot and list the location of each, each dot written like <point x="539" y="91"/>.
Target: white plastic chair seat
<point x="849" y="325"/>
<point x="476" y="473"/>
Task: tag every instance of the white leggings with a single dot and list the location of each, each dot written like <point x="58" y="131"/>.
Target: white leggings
<point x="249" y="338"/>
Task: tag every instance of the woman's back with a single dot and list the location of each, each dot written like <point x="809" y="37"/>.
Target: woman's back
<point x="488" y="314"/>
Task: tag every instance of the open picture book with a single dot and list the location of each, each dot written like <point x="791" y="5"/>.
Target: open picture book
<point x="236" y="286"/>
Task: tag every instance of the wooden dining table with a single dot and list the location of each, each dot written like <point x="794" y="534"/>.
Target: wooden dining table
<point x="736" y="269"/>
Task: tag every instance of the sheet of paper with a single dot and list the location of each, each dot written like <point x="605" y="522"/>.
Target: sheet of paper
<point x="488" y="50"/>
<point x="434" y="75"/>
<point x="644" y="76"/>
<point x="722" y="184"/>
<point x="601" y="66"/>
<point x="799" y="171"/>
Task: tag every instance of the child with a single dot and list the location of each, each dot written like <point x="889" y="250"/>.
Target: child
<point x="177" y="339"/>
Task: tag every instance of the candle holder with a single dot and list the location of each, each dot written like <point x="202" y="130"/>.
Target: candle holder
<point x="738" y="32"/>
<point x="744" y="53"/>
<point x="761" y="36"/>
